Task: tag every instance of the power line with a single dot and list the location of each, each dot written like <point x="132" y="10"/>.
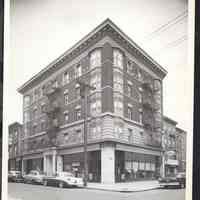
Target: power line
<point x="164" y="27"/>
<point x="173" y="43"/>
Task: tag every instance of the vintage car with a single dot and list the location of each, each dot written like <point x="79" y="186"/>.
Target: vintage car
<point x="15" y="176"/>
<point x="63" y="179"/>
<point x="178" y="180"/>
<point x="34" y="176"/>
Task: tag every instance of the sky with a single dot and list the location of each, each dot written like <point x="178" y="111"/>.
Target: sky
<point x="40" y="31"/>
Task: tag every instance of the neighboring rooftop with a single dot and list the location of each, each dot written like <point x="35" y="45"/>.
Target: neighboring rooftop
<point x="167" y="119"/>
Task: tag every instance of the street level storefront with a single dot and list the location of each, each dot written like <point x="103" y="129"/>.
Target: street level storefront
<point x="75" y="164"/>
<point x="131" y="166"/>
<point x="33" y="164"/>
<point x="108" y="162"/>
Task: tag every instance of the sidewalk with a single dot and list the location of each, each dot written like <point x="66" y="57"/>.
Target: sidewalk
<point x="136" y="186"/>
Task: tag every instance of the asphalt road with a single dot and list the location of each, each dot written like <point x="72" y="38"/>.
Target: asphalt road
<point x="20" y="191"/>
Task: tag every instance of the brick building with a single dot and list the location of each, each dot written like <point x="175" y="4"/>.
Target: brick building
<point x="124" y="112"/>
<point x="14" y="146"/>
<point x="174" y="146"/>
<point x="171" y="162"/>
<point x="181" y="136"/>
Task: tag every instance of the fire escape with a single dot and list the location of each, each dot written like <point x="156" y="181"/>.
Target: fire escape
<point x="152" y="112"/>
<point x="52" y="110"/>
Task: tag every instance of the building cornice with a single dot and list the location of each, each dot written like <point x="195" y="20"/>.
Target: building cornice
<point x="105" y="28"/>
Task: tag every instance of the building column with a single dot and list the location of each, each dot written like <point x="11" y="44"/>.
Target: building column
<point x="108" y="163"/>
<point x="45" y="164"/>
<point x="54" y="163"/>
<point x="59" y="163"/>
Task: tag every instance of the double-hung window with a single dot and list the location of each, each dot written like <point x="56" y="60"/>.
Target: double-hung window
<point x="66" y="97"/>
<point x="118" y="58"/>
<point x="65" y="78"/>
<point x="95" y="59"/>
<point x="27" y="101"/>
<point x="78" y="70"/>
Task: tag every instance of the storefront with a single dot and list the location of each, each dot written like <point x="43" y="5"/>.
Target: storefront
<point x="131" y="166"/>
<point x="75" y="163"/>
<point x="33" y="164"/>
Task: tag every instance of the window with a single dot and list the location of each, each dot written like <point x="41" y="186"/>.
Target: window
<point x="77" y="90"/>
<point x="78" y="70"/>
<point x="95" y="59"/>
<point x="78" y="113"/>
<point x="118" y="59"/>
<point x="95" y="80"/>
<point x="118" y="81"/>
<point x="78" y="131"/>
<point x="129" y="90"/>
<point x="118" y="106"/>
<point x="66" y="137"/>
<point x="27" y="101"/>
<point x="140" y="117"/>
<point x="118" y="131"/>
<point x="66" y="115"/>
<point x="34" y="129"/>
<point x="43" y="126"/>
<point x="43" y="107"/>
<point x="65" y="78"/>
<point x="95" y="107"/>
<point x="66" y="98"/>
<point x="129" y="111"/>
<point x="130" y="135"/>
<point x="26" y="116"/>
<point x="35" y="113"/>
<point x="140" y="97"/>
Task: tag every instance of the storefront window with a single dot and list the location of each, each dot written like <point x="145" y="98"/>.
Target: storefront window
<point x="132" y="166"/>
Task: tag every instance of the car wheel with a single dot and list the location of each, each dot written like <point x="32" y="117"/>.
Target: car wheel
<point x="45" y="183"/>
<point x="61" y="184"/>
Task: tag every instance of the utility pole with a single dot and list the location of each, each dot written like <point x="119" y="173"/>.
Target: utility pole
<point x="84" y="87"/>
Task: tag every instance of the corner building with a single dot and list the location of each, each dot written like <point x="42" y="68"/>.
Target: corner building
<point x="124" y="111"/>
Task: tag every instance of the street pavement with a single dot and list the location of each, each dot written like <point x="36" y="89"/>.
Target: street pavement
<point x="20" y="191"/>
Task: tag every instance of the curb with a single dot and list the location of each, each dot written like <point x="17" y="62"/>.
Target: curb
<point x="122" y="191"/>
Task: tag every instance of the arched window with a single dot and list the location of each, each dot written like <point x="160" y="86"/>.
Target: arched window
<point x="95" y="58"/>
<point x="118" y="58"/>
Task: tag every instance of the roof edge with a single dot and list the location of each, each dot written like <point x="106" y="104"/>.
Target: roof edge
<point x="85" y="38"/>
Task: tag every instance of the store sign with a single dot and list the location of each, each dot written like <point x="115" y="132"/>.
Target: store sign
<point x="75" y="164"/>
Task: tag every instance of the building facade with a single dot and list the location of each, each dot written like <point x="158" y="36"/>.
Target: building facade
<point x="124" y="112"/>
<point x="170" y="141"/>
<point x="181" y="136"/>
<point x="14" y="146"/>
<point x="174" y="146"/>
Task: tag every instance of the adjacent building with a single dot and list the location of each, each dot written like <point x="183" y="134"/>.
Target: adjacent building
<point x="14" y="146"/>
<point x="181" y="136"/>
<point x="124" y="112"/>
<point x="169" y="145"/>
<point x="174" y="146"/>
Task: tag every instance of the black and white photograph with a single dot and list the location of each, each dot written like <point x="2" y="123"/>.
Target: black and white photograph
<point x="98" y="100"/>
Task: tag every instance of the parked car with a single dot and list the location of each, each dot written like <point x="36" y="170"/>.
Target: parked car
<point x="15" y="176"/>
<point x="34" y="176"/>
<point x="63" y="179"/>
<point x="178" y="181"/>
